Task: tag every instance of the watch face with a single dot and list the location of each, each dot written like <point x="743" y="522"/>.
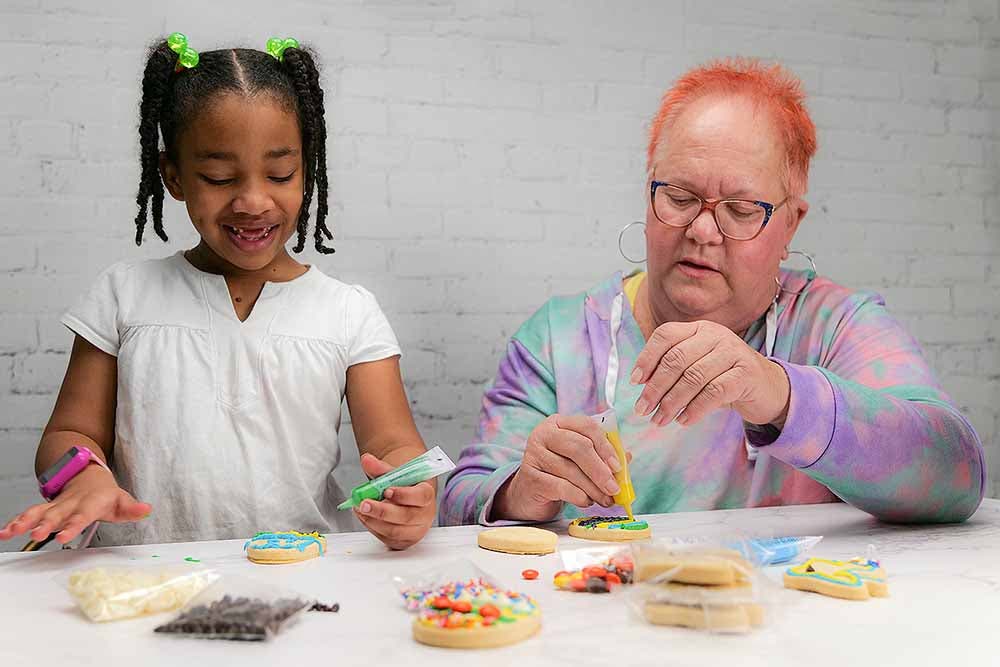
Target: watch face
<point x="58" y="465"/>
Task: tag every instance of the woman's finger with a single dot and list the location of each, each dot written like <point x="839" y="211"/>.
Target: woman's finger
<point x="721" y="391"/>
<point x="664" y="337"/>
<point x="671" y="369"/>
<point x="691" y="383"/>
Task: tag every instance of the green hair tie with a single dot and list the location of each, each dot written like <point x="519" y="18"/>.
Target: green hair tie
<point x="276" y="47"/>
<point x="187" y="57"/>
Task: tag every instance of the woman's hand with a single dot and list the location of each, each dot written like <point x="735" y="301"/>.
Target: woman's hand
<point x="93" y="495"/>
<point x="405" y="513"/>
<point x="692" y="368"/>
<point x="566" y="459"/>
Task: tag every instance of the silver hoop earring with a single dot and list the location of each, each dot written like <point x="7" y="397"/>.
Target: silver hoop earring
<point x="812" y="265"/>
<point x="809" y="258"/>
<point x="621" y="250"/>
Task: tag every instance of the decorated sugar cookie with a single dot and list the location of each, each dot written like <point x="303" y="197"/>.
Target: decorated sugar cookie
<point x="284" y="547"/>
<point x="473" y="614"/>
<point x="609" y="528"/>
<point x="855" y="579"/>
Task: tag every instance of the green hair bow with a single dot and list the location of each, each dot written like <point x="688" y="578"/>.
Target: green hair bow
<point x="276" y="47"/>
<point x="186" y="56"/>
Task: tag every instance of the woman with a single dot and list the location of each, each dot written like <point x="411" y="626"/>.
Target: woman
<point x="735" y="383"/>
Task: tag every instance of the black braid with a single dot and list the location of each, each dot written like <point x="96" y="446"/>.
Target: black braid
<point x="155" y="86"/>
<point x="305" y="78"/>
<point x="170" y="100"/>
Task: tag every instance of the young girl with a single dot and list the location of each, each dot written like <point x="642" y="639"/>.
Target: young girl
<point x="211" y="381"/>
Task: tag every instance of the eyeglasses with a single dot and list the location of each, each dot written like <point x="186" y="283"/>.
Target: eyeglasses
<point x="737" y="219"/>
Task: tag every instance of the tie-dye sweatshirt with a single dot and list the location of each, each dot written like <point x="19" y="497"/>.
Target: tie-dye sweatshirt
<point x="867" y="422"/>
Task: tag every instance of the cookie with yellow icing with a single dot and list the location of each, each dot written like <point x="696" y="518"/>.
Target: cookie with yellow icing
<point x="274" y="548"/>
<point x="855" y="579"/>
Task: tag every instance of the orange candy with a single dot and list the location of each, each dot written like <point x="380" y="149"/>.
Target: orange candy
<point x="462" y="606"/>
<point x="612" y="579"/>
<point x="489" y="611"/>
<point x="594" y="571"/>
<point x="578" y="584"/>
<point x="441" y="603"/>
<point x="530" y="574"/>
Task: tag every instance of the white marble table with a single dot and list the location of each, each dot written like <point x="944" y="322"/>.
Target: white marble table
<point x="944" y="609"/>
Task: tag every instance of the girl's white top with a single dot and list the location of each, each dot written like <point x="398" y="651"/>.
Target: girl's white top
<point x="228" y="428"/>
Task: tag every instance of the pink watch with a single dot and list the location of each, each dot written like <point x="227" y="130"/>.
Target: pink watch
<point x="52" y="481"/>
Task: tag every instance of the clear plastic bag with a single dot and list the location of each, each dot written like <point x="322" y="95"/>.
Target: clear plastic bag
<point x="118" y="592"/>
<point x="595" y="569"/>
<point x="764" y="551"/>
<point x="238" y="608"/>
<point x="416" y="587"/>
<point x="708" y="584"/>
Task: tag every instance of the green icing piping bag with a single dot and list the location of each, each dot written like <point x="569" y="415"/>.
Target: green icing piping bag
<point x="427" y="466"/>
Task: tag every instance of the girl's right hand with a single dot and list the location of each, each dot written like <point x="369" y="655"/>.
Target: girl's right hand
<point x="93" y="495"/>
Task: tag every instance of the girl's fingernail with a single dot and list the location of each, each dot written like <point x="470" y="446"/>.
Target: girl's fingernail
<point x="641" y="407"/>
<point x="366" y="508"/>
<point x="389" y="493"/>
<point x="636" y="376"/>
<point x="612" y="487"/>
<point x="614" y="465"/>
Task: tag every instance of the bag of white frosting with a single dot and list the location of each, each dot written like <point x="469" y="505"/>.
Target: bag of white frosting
<point x="117" y="592"/>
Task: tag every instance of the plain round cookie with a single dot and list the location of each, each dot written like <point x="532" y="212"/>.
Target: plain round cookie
<point x="729" y="617"/>
<point x="502" y="634"/>
<point x="522" y="540"/>
<point x="606" y="534"/>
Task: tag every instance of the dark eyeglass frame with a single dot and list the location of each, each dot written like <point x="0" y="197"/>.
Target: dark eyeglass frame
<point x="711" y="205"/>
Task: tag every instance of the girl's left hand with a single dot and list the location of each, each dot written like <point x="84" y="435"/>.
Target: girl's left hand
<point x="405" y="513"/>
<point x="693" y="368"/>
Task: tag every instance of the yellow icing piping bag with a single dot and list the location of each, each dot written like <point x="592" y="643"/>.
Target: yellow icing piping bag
<point x="626" y="492"/>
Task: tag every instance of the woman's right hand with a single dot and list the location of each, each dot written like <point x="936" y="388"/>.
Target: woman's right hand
<point x="567" y="459"/>
<point x="93" y="495"/>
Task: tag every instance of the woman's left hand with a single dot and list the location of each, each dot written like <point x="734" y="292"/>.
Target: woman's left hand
<point x="405" y="513"/>
<point x="693" y="368"/>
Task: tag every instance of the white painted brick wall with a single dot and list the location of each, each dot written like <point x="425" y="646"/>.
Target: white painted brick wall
<point x="484" y="154"/>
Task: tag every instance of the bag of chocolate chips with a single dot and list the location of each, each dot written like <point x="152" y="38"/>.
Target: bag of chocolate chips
<point x="238" y="609"/>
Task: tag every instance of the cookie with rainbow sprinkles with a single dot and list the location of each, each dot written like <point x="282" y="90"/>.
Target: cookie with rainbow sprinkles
<point x="609" y="528"/>
<point x="473" y="614"/>
<point x="275" y="548"/>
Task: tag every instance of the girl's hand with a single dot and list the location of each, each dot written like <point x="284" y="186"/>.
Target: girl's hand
<point x="405" y="513"/>
<point x="93" y="495"/>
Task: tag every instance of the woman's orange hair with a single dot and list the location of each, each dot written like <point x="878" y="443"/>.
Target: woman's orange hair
<point x="771" y="86"/>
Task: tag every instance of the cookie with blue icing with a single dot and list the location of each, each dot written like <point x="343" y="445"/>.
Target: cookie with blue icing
<point x="273" y="548"/>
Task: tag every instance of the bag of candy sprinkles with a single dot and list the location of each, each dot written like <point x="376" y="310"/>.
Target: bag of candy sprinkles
<point x="602" y="569"/>
<point x="418" y="586"/>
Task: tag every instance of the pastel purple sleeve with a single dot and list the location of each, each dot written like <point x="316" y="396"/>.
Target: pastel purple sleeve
<point x="522" y="395"/>
<point x="872" y="425"/>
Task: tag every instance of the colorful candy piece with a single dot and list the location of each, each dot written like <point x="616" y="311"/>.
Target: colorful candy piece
<point x="529" y="574"/>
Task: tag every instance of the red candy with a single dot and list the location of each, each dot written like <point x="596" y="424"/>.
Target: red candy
<point x="489" y="611"/>
<point x="578" y="584"/>
<point x="530" y="574"/>
<point x="612" y="579"/>
<point x="462" y="606"/>
<point x="594" y="571"/>
<point x="441" y="603"/>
